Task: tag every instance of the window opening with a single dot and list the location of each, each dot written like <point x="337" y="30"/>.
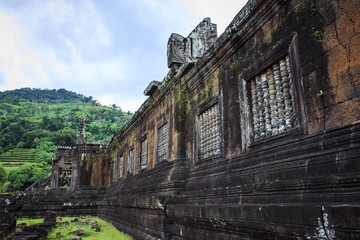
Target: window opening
<point x="130" y="165"/>
<point x="162" y="142"/>
<point x="272" y="100"/>
<point x="121" y="166"/>
<point x="209" y="144"/>
<point x="143" y="154"/>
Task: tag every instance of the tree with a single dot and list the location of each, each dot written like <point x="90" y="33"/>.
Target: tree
<point x="67" y="136"/>
<point x="2" y="174"/>
<point x="45" y="151"/>
<point x="30" y="137"/>
<point x="27" y="174"/>
<point x="51" y="123"/>
<point x="28" y="120"/>
<point x="3" y="181"/>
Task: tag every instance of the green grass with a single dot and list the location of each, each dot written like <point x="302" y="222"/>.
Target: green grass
<point x="107" y="230"/>
<point x="29" y="221"/>
<point x="65" y="227"/>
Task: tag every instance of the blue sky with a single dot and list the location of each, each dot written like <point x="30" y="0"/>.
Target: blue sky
<point x="108" y="49"/>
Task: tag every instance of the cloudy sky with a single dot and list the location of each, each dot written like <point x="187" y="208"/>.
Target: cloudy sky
<point x="108" y="49"/>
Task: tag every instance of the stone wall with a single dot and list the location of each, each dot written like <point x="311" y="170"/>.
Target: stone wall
<point x="264" y="128"/>
<point x="83" y="165"/>
<point x="258" y="138"/>
<point x="138" y="204"/>
<point x="94" y="165"/>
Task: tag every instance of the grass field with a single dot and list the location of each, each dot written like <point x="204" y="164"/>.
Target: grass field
<point x="66" y="225"/>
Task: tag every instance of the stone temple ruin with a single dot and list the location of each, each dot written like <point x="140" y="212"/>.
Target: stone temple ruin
<point x="80" y="165"/>
<point x="254" y="134"/>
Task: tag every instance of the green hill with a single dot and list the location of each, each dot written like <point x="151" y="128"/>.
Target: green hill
<point x="34" y="121"/>
<point x="29" y="115"/>
<point x="42" y="96"/>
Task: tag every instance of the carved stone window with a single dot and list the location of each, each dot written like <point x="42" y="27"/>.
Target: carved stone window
<point x="130" y="163"/>
<point x="64" y="178"/>
<point x="209" y="137"/>
<point x="272" y="100"/>
<point x="162" y="142"/>
<point x="121" y="166"/>
<point x="143" y="153"/>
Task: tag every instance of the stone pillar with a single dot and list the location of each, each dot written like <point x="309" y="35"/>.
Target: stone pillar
<point x="74" y="174"/>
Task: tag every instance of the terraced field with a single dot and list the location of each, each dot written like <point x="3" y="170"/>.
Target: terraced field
<point x="16" y="158"/>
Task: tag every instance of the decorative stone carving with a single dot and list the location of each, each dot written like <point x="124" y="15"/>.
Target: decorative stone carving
<point x="265" y="88"/>
<point x="292" y="93"/>
<point x="81" y="132"/>
<point x="143" y="153"/>
<point x="272" y="101"/>
<point x="279" y="98"/>
<point x="64" y="178"/>
<point x="162" y="142"/>
<point x="254" y="109"/>
<point x="130" y="165"/>
<point x="209" y="144"/>
<point x="121" y="166"/>
<point x="185" y="50"/>
<point x="151" y="88"/>
<point x="286" y="93"/>
<point x="272" y="98"/>
<point x="260" y="109"/>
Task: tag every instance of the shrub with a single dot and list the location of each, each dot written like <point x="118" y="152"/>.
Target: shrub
<point x="27" y="174"/>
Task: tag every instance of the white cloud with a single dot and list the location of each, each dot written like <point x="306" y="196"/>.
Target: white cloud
<point x="127" y="103"/>
<point x="75" y="23"/>
<point x="19" y="61"/>
<point x="28" y="60"/>
<point x="109" y="50"/>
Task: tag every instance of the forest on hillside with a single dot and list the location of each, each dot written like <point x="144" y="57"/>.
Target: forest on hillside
<point x="43" y="96"/>
<point x="44" y="119"/>
<point x="30" y="116"/>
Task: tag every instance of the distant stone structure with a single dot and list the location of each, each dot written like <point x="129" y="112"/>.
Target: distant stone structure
<point x="254" y="134"/>
<point x="81" y="132"/>
<point x="80" y="165"/>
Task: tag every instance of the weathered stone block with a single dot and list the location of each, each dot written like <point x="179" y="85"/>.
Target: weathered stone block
<point x="185" y="50"/>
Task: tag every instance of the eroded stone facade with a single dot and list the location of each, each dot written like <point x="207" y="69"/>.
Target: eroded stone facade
<point x="256" y="136"/>
<point x="262" y="131"/>
<point x="84" y="164"/>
